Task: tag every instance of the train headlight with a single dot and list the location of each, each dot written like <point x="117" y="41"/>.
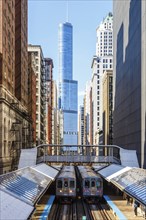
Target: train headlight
<point x="60" y="191"/>
<point x="70" y="191"/>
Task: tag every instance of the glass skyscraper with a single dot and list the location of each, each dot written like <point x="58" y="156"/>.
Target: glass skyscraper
<point x="68" y="101"/>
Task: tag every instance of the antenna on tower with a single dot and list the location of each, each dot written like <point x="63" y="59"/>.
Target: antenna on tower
<point x="67" y="11"/>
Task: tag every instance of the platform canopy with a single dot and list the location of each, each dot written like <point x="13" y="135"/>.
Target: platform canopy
<point x="128" y="158"/>
<point x="133" y="182"/>
<point x="23" y="188"/>
<point x="112" y="170"/>
<point x="98" y="167"/>
<point x="46" y="170"/>
<point x="57" y="167"/>
<point x="28" y="157"/>
<point x="13" y="208"/>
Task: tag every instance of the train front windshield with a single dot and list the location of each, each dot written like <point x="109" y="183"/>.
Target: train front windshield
<point x="72" y="184"/>
<point x="87" y="184"/>
<point x="59" y="184"/>
<point x="65" y="183"/>
<point x="93" y="183"/>
<point x="98" y="184"/>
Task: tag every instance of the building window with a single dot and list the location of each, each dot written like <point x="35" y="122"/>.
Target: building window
<point x="4" y="128"/>
<point x="110" y="79"/>
<point x="4" y="147"/>
<point x="110" y="88"/>
<point x="36" y="53"/>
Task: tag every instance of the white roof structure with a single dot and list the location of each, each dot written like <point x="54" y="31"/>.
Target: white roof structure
<point x="118" y="173"/>
<point x="57" y="167"/>
<point x="12" y="208"/>
<point x="99" y="167"/>
<point x="133" y="182"/>
<point x="112" y="170"/>
<point x="20" y="190"/>
<point x="128" y="158"/>
<point x="25" y="184"/>
<point x="46" y="170"/>
<point x="27" y="157"/>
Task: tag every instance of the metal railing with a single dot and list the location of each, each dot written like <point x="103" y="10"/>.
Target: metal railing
<point x="78" y="153"/>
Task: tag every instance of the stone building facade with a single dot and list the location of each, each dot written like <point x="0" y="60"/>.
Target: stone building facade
<point x="15" y="123"/>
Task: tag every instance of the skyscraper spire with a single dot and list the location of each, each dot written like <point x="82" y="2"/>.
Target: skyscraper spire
<point x="67" y="16"/>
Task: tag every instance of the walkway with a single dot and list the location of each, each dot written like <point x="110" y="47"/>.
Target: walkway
<point x="127" y="210"/>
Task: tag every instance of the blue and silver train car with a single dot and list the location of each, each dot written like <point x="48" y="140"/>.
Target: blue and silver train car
<point x="66" y="184"/>
<point x="91" y="184"/>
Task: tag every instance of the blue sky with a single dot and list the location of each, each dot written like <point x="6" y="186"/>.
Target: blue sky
<point x="44" y="17"/>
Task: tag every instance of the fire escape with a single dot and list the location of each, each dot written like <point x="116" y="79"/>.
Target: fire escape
<point x="15" y="144"/>
<point x="20" y="135"/>
<point x="48" y="100"/>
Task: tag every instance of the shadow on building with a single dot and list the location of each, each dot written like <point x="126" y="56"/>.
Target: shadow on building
<point x="127" y="110"/>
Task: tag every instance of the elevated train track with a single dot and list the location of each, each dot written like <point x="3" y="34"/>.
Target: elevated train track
<point x="83" y="203"/>
<point x="79" y="210"/>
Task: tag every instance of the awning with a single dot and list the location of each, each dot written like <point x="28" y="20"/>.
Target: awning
<point x="133" y="182"/>
<point x="46" y="170"/>
<point x="112" y="171"/>
<point x="20" y="189"/>
<point x="128" y="158"/>
<point x="26" y="184"/>
<point x="13" y="208"/>
<point x="99" y="167"/>
<point x="27" y="157"/>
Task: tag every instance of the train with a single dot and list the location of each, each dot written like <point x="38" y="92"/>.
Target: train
<point x="81" y="181"/>
<point x="66" y="184"/>
<point x="91" y="184"/>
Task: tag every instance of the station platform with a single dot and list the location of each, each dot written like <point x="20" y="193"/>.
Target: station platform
<point x="43" y="208"/>
<point x="121" y="210"/>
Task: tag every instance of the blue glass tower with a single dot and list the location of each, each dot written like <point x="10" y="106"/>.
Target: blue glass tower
<point x="68" y="87"/>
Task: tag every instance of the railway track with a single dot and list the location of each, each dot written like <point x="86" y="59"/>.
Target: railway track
<point x="55" y="211"/>
<point x="108" y="215"/>
<point x="101" y="211"/>
<point x="63" y="212"/>
<point x="73" y="211"/>
<point x="79" y="210"/>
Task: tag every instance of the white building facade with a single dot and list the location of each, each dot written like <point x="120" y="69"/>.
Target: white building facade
<point x="87" y="114"/>
<point x="103" y="60"/>
<point x="54" y="114"/>
<point x="81" y="126"/>
<point x="40" y="93"/>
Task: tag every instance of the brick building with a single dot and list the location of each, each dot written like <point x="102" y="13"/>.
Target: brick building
<point x="15" y="123"/>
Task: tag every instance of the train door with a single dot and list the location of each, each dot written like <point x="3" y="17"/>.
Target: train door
<point x="72" y="187"/>
<point x="66" y="186"/>
<point x="86" y="187"/>
<point x="93" y="186"/>
<point x="59" y="186"/>
<point x="99" y="186"/>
